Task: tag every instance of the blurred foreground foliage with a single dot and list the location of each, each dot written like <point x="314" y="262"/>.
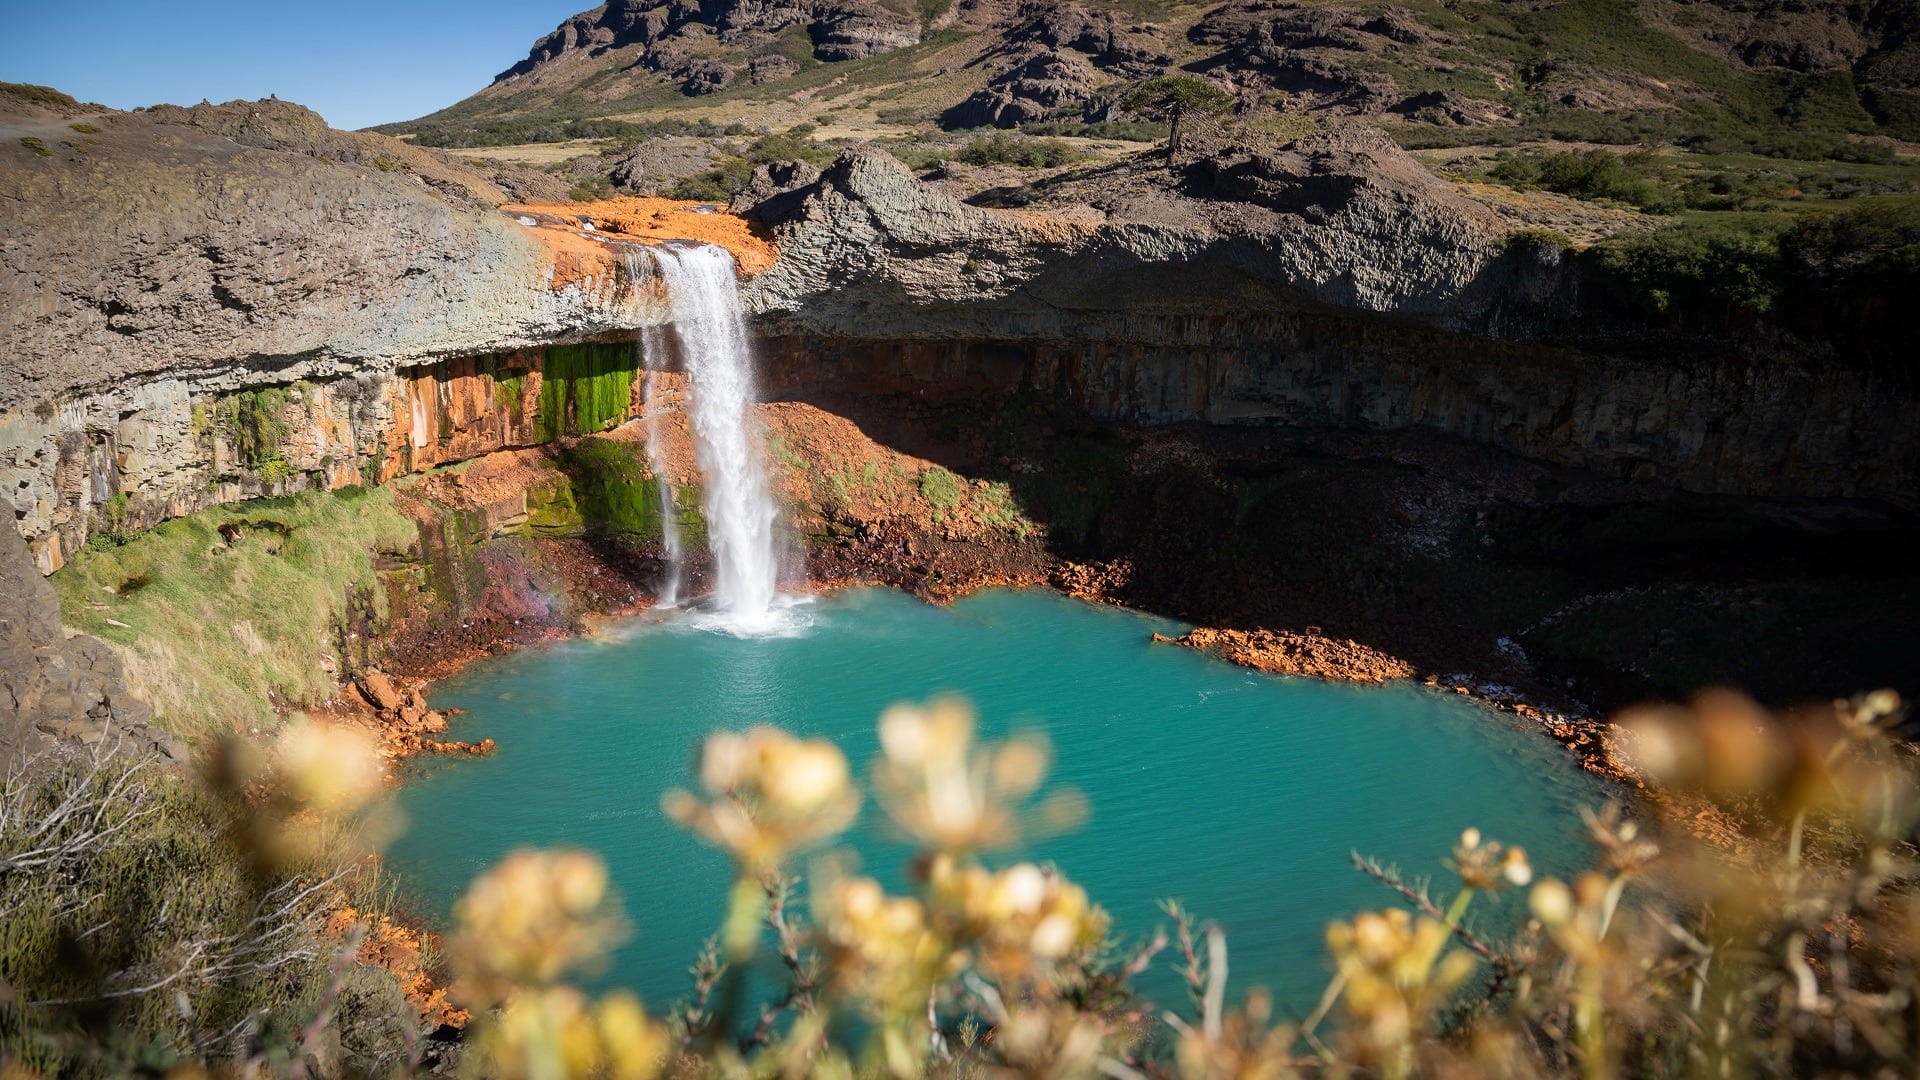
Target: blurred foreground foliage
<point x="1752" y="914"/>
<point x="152" y="921"/>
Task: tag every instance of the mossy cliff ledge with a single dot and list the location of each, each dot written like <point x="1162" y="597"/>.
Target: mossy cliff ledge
<point x="105" y="465"/>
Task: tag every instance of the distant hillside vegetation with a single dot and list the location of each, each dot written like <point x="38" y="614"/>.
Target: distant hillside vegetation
<point x="1794" y="78"/>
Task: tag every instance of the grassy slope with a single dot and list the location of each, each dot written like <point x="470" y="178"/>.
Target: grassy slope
<point x="260" y="589"/>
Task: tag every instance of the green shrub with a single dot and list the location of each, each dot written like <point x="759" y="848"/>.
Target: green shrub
<point x="35" y="94"/>
<point x="731" y="172"/>
<point x="1587" y="174"/>
<point x="137" y="935"/>
<point x="1027" y="153"/>
<point x="1123" y="130"/>
<point x="1697" y="267"/>
<point x="35" y="145"/>
<point x="941" y="488"/>
<point x="253" y="424"/>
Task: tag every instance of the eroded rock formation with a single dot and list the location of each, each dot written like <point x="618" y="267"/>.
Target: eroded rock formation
<point x="56" y="689"/>
<point x="1332" y="282"/>
<point x="246" y="236"/>
<point x="677" y="39"/>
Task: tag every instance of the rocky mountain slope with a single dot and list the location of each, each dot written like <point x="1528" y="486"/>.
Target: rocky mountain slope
<point x="1747" y="68"/>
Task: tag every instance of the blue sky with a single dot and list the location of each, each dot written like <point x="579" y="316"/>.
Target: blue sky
<point x="355" y="62"/>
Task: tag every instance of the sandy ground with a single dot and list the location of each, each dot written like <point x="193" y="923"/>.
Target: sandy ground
<point x="530" y="153"/>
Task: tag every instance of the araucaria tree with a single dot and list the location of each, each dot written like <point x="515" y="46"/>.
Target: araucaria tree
<point x="1175" y="99"/>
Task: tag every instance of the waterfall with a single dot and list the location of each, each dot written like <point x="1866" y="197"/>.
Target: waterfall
<point x="704" y="296"/>
<point x="653" y="353"/>
<point x="669" y="595"/>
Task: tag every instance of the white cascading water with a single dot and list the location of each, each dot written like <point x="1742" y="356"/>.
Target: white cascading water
<point x="669" y="517"/>
<point x="653" y="353"/>
<point x="704" y="295"/>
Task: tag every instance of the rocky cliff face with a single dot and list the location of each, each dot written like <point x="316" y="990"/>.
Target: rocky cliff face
<point x="1344" y="219"/>
<point x="704" y="46"/>
<point x="1339" y="285"/>
<point x="167" y="265"/>
<point x="57" y="689"/>
<point x="217" y="241"/>
<point x="214" y="303"/>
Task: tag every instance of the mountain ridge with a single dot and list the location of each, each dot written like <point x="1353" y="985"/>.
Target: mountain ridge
<point x="1658" y="69"/>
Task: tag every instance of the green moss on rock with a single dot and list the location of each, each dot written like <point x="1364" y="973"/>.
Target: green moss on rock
<point x="585" y="389"/>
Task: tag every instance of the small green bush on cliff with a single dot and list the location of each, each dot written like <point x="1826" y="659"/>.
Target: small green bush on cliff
<point x="941" y="488"/>
<point x="1838" y="278"/>
<point x="732" y="171"/>
<point x="229" y="609"/>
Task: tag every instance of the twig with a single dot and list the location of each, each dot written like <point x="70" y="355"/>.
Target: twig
<point x="1420" y="900"/>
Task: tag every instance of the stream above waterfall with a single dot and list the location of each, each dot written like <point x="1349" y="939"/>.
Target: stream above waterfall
<point x="1241" y="793"/>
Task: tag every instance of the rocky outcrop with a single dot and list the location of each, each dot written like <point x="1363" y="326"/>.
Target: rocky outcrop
<point x="868" y="250"/>
<point x="1038" y="85"/>
<point x="1284" y="652"/>
<point x="132" y="456"/>
<point x="663" y="36"/>
<point x="1047" y="64"/>
<point x="852" y="29"/>
<point x="231" y="241"/>
<point x="1361" y="294"/>
<point x="55" y="689"/>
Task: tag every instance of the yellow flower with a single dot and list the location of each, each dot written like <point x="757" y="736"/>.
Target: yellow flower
<point x="1246" y="1049"/>
<point x="770" y="795"/>
<point x="878" y="947"/>
<point x="1489" y="865"/>
<point x="1395" y="977"/>
<point x="1024" y="919"/>
<point x="552" y="1034"/>
<point x="533" y="917"/>
<point x="332" y="768"/>
<point x="951" y="795"/>
<point x="1577" y="917"/>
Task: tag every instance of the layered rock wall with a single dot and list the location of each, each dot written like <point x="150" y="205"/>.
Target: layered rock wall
<point x="138" y="454"/>
<point x="1339" y="285"/>
<point x="1724" y="428"/>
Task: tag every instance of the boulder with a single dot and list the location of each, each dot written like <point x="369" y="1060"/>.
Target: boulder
<point x="1041" y="83"/>
<point x="1452" y="107"/>
<point x="705" y="77"/>
<point x="380" y="690"/>
<point x="55" y="689"/>
<point x="771" y="68"/>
